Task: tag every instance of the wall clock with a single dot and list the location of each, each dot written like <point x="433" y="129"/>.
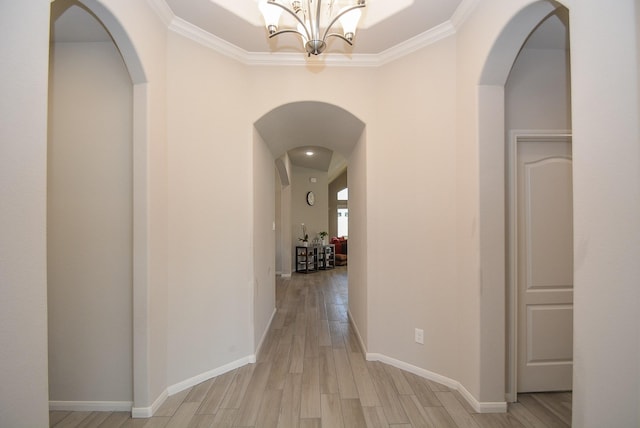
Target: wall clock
<point x="311" y="198"/>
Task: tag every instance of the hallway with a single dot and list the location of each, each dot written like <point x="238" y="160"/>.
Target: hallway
<point x="311" y="373"/>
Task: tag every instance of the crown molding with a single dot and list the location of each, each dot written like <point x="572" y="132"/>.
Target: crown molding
<point x="301" y="59"/>
<point x="462" y="12"/>
<point x="198" y="35"/>
<point x="162" y="9"/>
<point x="416" y="43"/>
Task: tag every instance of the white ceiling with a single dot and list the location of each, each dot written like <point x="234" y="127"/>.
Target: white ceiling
<point x="388" y="30"/>
<point x="391" y="22"/>
<point x="320" y="127"/>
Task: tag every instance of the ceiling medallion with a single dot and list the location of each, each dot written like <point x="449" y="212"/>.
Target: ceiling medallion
<point x="308" y="14"/>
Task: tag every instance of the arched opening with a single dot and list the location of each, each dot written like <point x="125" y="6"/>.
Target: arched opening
<point x="493" y="200"/>
<point x="540" y="224"/>
<point x="132" y="181"/>
<point x="278" y="136"/>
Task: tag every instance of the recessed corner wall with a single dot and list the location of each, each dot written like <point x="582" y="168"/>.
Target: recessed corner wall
<point x="90" y="224"/>
<point x="210" y="217"/>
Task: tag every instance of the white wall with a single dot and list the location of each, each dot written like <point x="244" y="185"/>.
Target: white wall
<point x="89" y="229"/>
<point x="538" y="91"/>
<point x="606" y="168"/>
<point x="264" y="242"/>
<point x="315" y="217"/>
<point x="24" y="52"/>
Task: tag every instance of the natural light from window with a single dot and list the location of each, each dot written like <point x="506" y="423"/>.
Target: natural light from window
<point x="343" y="195"/>
<point x="343" y="214"/>
<point x="343" y="222"/>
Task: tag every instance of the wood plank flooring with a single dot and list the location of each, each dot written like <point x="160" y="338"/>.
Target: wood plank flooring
<point x="311" y="373"/>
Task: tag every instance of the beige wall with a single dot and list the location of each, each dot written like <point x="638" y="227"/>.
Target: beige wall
<point x="89" y="228"/>
<point x="210" y="212"/>
<point x="24" y="30"/>
<point x="264" y="242"/>
<point x="411" y="160"/>
<point x="358" y="250"/>
<point x="314" y="217"/>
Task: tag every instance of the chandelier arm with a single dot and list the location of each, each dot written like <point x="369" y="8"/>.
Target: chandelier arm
<point x="292" y="13"/>
<point x="338" y="16"/>
<point x="286" y="30"/>
<point x="340" y="36"/>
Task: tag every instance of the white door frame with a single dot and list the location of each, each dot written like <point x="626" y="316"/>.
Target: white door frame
<point x="516" y="137"/>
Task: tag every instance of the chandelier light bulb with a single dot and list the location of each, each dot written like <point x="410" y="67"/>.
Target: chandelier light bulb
<point x="271" y="15"/>
<point x="349" y="22"/>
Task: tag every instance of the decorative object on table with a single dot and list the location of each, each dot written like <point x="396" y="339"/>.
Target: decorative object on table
<point x="323" y="236"/>
<point x="305" y="236"/>
<point x="308" y="19"/>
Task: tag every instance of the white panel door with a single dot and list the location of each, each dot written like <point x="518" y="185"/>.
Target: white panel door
<point x="544" y="265"/>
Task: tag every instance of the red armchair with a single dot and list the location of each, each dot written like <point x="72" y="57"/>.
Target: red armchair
<point x="341" y="250"/>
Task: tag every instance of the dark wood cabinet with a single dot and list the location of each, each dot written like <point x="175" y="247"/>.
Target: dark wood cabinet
<point x="310" y="259"/>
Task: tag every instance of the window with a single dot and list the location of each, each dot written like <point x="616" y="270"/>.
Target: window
<point x="343" y="195"/>
<point x="343" y="222"/>
<point x="343" y="213"/>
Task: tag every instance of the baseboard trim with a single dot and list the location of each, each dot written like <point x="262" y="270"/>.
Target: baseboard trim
<point x="480" y="407"/>
<point x="147" y="412"/>
<point x="192" y="381"/>
<point x="264" y="334"/>
<point x="363" y="348"/>
<point x="91" y="406"/>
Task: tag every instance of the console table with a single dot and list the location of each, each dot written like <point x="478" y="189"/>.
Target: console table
<point x="310" y="259"/>
<point x="327" y="256"/>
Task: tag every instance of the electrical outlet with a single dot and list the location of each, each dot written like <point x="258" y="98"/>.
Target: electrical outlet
<point x="419" y="336"/>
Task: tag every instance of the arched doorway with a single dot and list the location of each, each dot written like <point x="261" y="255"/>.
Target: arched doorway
<point x="141" y="395"/>
<point x="492" y="164"/>
<point x="89" y="215"/>
<point x="283" y="129"/>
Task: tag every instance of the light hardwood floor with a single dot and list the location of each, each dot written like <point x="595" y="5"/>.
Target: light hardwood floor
<point x="311" y="373"/>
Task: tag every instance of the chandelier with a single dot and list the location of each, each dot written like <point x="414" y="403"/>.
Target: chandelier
<point x="310" y="16"/>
